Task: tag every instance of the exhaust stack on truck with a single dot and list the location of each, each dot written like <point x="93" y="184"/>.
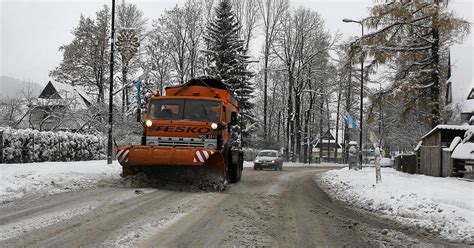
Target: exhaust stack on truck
<point x="190" y="127"/>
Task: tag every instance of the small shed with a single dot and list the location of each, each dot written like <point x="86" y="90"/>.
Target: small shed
<point x="328" y="149"/>
<point x="431" y="159"/>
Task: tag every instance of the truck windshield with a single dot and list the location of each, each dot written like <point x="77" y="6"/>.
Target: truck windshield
<point x="185" y="109"/>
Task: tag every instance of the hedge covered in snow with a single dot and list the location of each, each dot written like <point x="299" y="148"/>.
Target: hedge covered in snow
<point x="27" y="145"/>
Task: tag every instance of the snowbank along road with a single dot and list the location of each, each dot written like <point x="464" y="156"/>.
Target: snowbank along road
<point x="268" y="208"/>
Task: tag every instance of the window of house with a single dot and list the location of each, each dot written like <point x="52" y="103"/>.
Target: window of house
<point x="449" y="95"/>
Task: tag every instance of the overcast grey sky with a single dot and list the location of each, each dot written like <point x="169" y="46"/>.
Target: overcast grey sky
<point x="32" y="30"/>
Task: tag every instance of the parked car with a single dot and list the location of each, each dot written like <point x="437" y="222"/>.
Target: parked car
<point x="270" y="159"/>
<point x="386" y="162"/>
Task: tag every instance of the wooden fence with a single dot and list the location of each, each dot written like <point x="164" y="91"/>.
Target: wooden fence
<point x="405" y="163"/>
<point x="447" y="164"/>
<point x="430" y="161"/>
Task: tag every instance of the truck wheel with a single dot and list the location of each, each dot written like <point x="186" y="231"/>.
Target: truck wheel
<point x="240" y="166"/>
<point x="239" y="172"/>
<point x="231" y="168"/>
<point x="235" y="169"/>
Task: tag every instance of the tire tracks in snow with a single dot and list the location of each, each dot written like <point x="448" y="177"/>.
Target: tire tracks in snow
<point x="44" y="218"/>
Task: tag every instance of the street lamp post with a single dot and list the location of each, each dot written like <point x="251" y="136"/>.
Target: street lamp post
<point x="361" y="86"/>
<point x="112" y="40"/>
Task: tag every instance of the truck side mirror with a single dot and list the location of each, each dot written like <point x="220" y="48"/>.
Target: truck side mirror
<point x="233" y="118"/>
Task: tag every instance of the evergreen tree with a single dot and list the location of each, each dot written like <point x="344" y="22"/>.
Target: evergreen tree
<point x="228" y="58"/>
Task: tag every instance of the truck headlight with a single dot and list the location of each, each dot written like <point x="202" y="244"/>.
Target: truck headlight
<point x="148" y="123"/>
<point x="214" y="126"/>
<point x="210" y="146"/>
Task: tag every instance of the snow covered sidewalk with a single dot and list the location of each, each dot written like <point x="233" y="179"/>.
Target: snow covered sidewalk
<point x="17" y="180"/>
<point x="439" y="205"/>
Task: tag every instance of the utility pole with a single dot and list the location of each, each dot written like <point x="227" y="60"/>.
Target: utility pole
<point x="112" y="40"/>
<point x="361" y="85"/>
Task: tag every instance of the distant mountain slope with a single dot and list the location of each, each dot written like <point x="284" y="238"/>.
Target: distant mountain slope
<point x="12" y="87"/>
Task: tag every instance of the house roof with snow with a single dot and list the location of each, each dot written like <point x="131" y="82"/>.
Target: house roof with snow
<point x="329" y="138"/>
<point x="59" y="91"/>
<point x="447" y="127"/>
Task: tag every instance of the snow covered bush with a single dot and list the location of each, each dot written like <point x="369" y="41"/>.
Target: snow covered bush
<point x="27" y="145"/>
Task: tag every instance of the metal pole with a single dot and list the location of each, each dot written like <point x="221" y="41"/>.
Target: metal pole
<point x="380" y="119"/>
<point x="139" y="104"/>
<point x="1" y="147"/>
<point x="361" y="92"/>
<point x="112" y="40"/>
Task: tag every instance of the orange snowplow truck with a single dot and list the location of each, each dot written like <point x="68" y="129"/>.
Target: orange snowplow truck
<point x="189" y="127"/>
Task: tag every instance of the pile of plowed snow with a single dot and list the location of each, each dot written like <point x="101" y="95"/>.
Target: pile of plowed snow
<point x="18" y="180"/>
<point x="439" y="205"/>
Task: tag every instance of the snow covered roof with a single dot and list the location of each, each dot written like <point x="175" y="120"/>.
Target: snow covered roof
<point x="66" y="91"/>
<point x="464" y="151"/>
<point x="340" y="137"/>
<point x="453" y="145"/>
<point x="417" y="147"/>
<point x="447" y="127"/>
<point x="325" y="141"/>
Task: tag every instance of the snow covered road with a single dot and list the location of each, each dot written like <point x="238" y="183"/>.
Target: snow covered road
<point x="268" y="208"/>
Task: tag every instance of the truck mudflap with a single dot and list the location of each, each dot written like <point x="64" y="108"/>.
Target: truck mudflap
<point x="156" y="156"/>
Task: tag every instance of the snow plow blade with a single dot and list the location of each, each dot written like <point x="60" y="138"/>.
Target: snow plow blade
<point x="151" y="158"/>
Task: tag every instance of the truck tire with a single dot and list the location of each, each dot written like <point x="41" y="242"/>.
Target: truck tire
<point x="235" y="168"/>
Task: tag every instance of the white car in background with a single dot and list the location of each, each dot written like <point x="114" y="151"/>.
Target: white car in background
<point x="386" y="162"/>
<point x="270" y="159"/>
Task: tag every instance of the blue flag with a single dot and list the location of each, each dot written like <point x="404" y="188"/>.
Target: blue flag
<point x="138" y="85"/>
<point x="349" y="121"/>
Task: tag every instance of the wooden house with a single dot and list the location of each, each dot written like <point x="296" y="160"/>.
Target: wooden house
<point x="431" y="159"/>
<point x="58" y="107"/>
<point x="328" y="149"/>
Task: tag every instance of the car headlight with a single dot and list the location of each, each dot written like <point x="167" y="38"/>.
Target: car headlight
<point x="148" y="123"/>
<point x="273" y="161"/>
<point x="256" y="160"/>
